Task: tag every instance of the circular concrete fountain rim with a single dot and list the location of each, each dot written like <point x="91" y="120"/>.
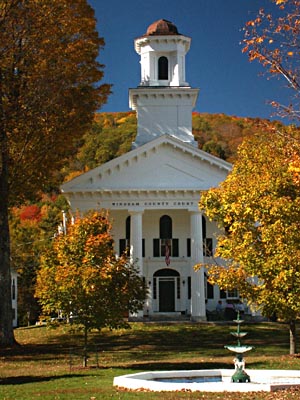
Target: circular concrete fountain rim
<point x="261" y="380"/>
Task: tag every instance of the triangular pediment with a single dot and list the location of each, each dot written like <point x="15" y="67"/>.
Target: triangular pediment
<point x="165" y="163"/>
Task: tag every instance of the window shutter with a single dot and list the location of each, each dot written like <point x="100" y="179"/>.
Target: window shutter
<point x="188" y="247"/>
<point x="155" y="247"/>
<point x="143" y="247"/>
<point x="189" y="287"/>
<point x="175" y="249"/>
<point x="122" y="246"/>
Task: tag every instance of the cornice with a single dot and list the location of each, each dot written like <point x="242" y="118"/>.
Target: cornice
<point x="162" y="92"/>
<point x="165" y="39"/>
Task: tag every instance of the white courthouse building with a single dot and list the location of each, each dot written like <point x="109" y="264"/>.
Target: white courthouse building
<point x="152" y="192"/>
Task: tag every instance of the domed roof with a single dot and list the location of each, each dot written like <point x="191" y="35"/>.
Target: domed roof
<point x="162" y="27"/>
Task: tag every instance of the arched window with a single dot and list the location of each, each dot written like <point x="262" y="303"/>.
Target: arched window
<point x="165" y="227"/>
<point x="166" y="272"/>
<point x="166" y="244"/>
<point x="163" y="68"/>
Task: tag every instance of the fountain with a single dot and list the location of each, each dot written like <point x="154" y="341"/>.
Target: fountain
<point x="214" y="380"/>
<point x="240" y="374"/>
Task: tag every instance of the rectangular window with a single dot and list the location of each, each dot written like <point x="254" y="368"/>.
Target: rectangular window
<point x="207" y="247"/>
<point x="210" y="291"/>
<point x="124" y="247"/>
<point x="163" y="246"/>
<point x="160" y="247"/>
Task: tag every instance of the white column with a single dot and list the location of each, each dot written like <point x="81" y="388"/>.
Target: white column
<point x="198" y="308"/>
<point x="136" y="236"/>
<point x="136" y="249"/>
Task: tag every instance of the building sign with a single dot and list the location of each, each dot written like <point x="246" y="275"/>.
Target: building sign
<point x="150" y="204"/>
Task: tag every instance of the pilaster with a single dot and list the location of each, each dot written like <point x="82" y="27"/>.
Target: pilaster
<point x="136" y="235"/>
<point x="198" y="309"/>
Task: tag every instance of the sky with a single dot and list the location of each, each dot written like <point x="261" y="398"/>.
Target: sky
<point x="215" y="64"/>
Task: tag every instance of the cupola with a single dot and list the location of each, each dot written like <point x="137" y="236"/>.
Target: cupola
<point x="163" y="100"/>
<point x="162" y="49"/>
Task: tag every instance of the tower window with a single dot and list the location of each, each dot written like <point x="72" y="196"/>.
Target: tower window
<point x="163" y="68"/>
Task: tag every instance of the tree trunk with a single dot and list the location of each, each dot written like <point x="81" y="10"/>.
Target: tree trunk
<point x="85" y="355"/>
<point x="6" y="316"/>
<point x="293" y="342"/>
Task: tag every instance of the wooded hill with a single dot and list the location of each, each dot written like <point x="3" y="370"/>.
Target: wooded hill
<point x="113" y="133"/>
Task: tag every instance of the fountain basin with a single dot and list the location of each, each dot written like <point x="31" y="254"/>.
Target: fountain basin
<point x="212" y="380"/>
<point x="239" y="349"/>
<point x="239" y="334"/>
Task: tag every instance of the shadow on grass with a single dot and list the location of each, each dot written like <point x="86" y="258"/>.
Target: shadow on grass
<point x="35" y="351"/>
<point x="177" y="366"/>
<point x="145" y="342"/>
<point x="20" y="380"/>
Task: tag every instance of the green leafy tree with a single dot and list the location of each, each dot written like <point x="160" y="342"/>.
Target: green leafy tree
<point x="111" y="136"/>
<point x="49" y="92"/>
<point x="81" y="274"/>
<point x="258" y="209"/>
<point x="214" y="148"/>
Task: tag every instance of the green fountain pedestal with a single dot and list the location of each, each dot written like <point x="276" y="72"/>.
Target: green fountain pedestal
<point x="240" y="374"/>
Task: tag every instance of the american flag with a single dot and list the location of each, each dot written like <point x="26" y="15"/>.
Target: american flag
<point x="167" y="257"/>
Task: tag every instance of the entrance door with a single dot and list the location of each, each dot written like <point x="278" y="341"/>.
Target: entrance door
<point x="166" y="295"/>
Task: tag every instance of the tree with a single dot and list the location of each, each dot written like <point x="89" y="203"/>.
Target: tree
<point x="272" y="38"/>
<point x="258" y="209"/>
<point x="48" y="93"/>
<point x="32" y="228"/>
<point x="81" y="274"/>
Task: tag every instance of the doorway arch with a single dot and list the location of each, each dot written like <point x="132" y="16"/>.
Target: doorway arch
<point x="167" y="286"/>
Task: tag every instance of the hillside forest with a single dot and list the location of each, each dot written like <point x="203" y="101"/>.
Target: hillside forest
<point x="34" y="224"/>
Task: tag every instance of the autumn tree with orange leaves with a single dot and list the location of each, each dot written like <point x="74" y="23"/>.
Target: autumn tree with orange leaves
<point x="258" y="210"/>
<point x="49" y="91"/>
<point x="273" y="39"/>
<point x="82" y="275"/>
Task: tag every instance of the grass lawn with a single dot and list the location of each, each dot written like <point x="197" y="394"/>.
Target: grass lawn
<point x="47" y="363"/>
